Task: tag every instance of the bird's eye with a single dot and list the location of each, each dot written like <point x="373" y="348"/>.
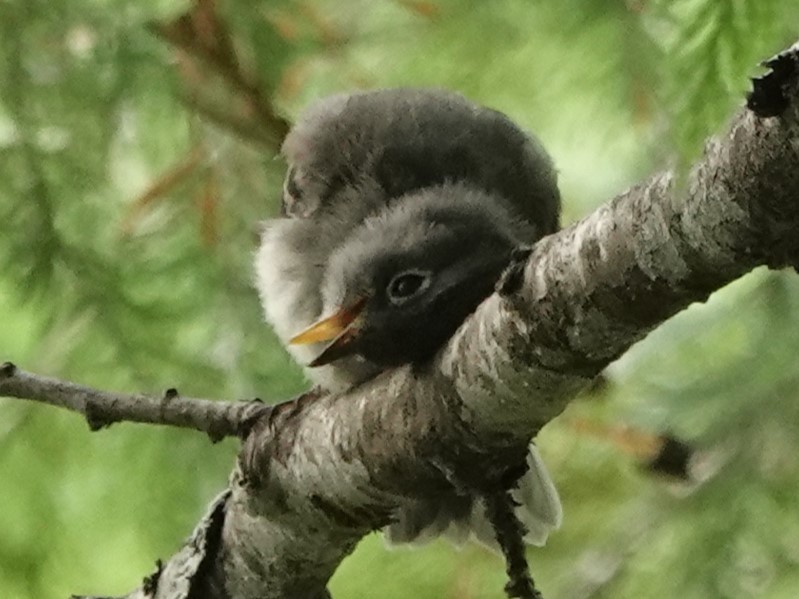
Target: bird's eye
<point x="406" y="285"/>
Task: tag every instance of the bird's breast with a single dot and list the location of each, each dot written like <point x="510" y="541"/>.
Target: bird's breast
<point x="289" y="268"/>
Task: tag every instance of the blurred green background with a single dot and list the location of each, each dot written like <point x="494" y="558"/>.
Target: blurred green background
<point x="133" y="171"/>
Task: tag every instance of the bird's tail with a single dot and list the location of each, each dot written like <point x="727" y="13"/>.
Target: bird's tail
<point x="461" y="518"/>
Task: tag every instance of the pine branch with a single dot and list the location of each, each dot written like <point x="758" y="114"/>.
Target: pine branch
<point x="203" y="35"/>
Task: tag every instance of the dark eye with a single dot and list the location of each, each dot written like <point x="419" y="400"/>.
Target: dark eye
<point x="406" y="285"/>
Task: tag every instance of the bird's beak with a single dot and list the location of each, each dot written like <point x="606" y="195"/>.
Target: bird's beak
<point x="341" y="327"/>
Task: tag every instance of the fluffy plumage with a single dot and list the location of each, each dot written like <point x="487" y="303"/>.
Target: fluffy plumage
<point x="387" y="182"/>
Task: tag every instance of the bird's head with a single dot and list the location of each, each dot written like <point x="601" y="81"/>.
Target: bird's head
<point x="399" y="287"/>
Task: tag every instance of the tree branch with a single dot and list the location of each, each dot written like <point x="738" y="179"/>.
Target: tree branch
<point x="316" y="474"/>
<point x="218" y="419"/>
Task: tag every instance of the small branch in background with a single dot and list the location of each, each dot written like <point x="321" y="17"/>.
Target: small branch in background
<point x="304" y="21"/>
<point x="218" y="419"/>
<point x="284" y="24"/>
<point x="293" y="79"/>
<point x="160" y="188"/>
<point x="661" y="453"/>
<point x="297" y="29"/>
<point x="202" y="36"/>
<point x="423" y="8"/>
<point x="326" y="31"/>
<point x="235" y="121"/>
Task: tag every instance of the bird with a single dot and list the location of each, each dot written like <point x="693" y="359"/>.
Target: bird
<point x="401" y="209"/>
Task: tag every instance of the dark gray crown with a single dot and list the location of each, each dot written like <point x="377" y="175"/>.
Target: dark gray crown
<point x="391" y="142"/>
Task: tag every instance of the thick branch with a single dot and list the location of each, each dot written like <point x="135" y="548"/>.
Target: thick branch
<point x="337" y="467"/>
<point x="102" y="408"/>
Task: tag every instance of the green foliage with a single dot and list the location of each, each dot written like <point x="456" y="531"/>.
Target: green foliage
<point x="129" y="196"/>
<point x="709" y="49"/>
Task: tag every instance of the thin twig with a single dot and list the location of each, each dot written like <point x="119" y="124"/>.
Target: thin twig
<point x="202" y="34"/>
<point x="161" y="187"/>
<point x="218" y="419"/>
<point x="510" y="536"/>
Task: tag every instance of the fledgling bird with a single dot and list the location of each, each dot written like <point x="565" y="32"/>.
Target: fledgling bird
<point x="401" y="209"/>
